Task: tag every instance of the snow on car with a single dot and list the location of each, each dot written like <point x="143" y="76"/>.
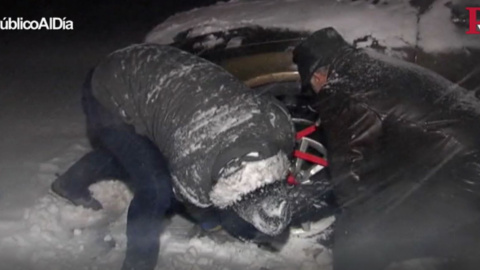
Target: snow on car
<point x="393" y="23"/>
<point x="420" y="32"/>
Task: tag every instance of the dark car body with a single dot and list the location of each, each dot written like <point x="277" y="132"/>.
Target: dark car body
<point x="264" y="55"/>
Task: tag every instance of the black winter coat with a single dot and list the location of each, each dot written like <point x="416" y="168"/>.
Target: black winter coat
<point x="199" y="116"/>
<point x="404" y="160"/>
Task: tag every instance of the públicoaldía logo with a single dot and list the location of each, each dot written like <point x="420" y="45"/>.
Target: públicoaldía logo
<point x="52" y="23"/>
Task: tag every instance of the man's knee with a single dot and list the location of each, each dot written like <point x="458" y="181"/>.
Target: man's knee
<point x="154" y="199"/>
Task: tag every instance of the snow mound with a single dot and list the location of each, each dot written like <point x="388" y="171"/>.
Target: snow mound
<point x="56" y="234"/>
<point x="300" y="252"/>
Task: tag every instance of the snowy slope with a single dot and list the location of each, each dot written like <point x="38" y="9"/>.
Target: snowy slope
<point x="392" y="22"/>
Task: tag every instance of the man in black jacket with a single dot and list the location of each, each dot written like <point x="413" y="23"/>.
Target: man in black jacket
<point x="404" y="157"/>
<point x="175" y="127"/>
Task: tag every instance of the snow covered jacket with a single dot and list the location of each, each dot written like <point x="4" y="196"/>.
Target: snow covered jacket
<point x="386" y="119"/>
<point x="418" y="126"/>
<point x="222" y="140"/>
<point x="404" y="157"/>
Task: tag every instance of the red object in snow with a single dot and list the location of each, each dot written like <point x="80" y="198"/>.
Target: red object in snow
<point x="291" y="180"/>
<point x="310" y="158"/>
<point x="305" y="132"/>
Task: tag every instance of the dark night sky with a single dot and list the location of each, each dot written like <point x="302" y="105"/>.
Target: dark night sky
<point x="100" y="15"/>
<point x="99" y="28"/>
<point x="105" y="24"/>
<point x="78" y="9"/>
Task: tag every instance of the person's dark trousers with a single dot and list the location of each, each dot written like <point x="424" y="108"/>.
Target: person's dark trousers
<point x="120" y="153"/>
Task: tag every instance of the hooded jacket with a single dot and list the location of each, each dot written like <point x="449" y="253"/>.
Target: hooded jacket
<point x="381" y="114"/>
<point x="222" y="140"/>
<point x="403" y="154"/>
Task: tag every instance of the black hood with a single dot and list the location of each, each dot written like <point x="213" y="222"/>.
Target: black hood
<point x="268" y="208"/>
<point x="319" y="49"/>
<point x="254" y="187"/>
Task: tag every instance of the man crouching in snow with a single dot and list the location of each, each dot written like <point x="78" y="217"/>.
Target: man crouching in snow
<point x="173" y="125"/>
<point x="404" y="156"/>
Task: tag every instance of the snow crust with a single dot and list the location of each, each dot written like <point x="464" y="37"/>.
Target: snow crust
<point x="209" y="123"/>
<point x="300" y="252"/>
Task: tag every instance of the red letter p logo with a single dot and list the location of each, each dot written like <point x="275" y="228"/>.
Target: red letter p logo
<point x="474" y="24"/>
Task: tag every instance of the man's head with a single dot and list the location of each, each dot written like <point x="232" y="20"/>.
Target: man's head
<point x="267" y="208"/>
<point x="319" y="78"/>
<point x="249" y="174"/>
<point x="314" y="56"/>
<point x="253" y="186"/>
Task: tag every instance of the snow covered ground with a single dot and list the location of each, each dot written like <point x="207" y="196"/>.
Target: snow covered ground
<point x="42" y="133"/>
<point x="53" y="234"/>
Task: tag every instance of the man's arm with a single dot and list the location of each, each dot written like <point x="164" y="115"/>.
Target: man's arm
<point x="353" y="135"/>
